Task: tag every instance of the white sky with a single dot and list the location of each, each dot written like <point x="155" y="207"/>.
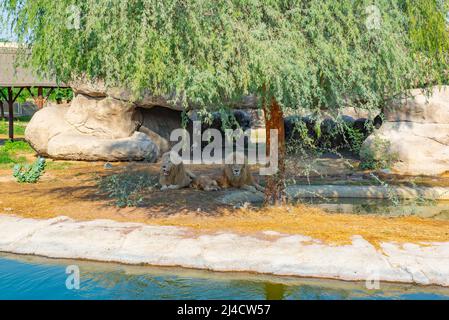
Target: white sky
<point x="5" y="33"/>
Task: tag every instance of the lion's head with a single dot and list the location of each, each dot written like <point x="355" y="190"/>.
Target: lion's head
<point x="172" y="171"/>
<point x="236" y="169"/>
<point x="167" y="165"/>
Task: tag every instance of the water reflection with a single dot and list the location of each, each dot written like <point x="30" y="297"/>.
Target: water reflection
<point x="27" y="277"/>
<point x="274" y="291"/>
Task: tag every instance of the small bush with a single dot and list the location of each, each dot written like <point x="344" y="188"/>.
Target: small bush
<point x="29" y="173"/>
<point x="378" y="156"/>
<point x="126" y="188"/>
<point x="353" y="137"/>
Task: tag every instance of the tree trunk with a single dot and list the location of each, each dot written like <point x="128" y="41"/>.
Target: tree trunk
<point x="40" y="98"/>
<point x="275" y="188"/>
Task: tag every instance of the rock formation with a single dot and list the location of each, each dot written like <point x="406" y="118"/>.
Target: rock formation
<point x="416" y="132"/>
<point x="108" y="124"/>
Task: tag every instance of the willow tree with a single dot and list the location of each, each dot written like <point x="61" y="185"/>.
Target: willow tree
<point x="314" y="54"/>
<point x="428" y="28"/>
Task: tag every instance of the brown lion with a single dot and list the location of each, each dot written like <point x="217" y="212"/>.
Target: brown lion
<point x="236" y="174"/>
<point x="174" y="176"/>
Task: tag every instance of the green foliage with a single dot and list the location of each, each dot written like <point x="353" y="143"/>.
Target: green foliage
<point x="429" y="34"/>
<point x="61" y="94"/>
<point x="8" y="152"/>
<point x="377" y="157"/>
<point x="14" y="146"/>
<point x="309" y="53"/>
<point x="29" y="173"/>
<point x="19" y="126"/>
<point x="126" y="188"/>
<point x="56" y="94"/>
<point x="354" y="138"/>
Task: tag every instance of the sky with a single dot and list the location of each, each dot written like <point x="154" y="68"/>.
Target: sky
<point x="5" y="33"/>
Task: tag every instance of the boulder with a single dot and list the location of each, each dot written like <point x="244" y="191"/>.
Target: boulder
<point x="415" y="133"/>
<point x="96" y="89"/>
<point x="90" y="129"/>
<point x="421" y="108"/>
<point x="146" y="98"/>
<point x="44" y="125"/>
<point x="75" y="146"/>
<point x="103" y="117"/>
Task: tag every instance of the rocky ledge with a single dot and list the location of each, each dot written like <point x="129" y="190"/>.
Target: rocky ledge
<point x="415" y="134"/>
<point x="266" y="252"/>
<point x="295" y="192"/>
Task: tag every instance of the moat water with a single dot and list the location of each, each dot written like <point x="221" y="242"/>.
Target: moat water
<point x="28" y="277"/>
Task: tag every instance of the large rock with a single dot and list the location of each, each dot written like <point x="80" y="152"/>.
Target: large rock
<point x="51" y="135"/>
<point x="146" y="98"/>
<point x="44" y="125"/>
<point x="103" y="117"/>
<point x="71" y="146"/>
<point x="415" y="134"/>
<point x="420" y="108"/>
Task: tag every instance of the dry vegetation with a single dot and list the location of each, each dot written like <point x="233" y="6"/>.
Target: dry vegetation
<point x="70" y="189"/>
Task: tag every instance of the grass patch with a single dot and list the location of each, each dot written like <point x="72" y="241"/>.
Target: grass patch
<point x="13" y="152"/>
<point x="19" y="126"/>
<point x="127" y="188"/>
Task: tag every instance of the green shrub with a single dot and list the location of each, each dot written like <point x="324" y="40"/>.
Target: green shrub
<point x="378" y="156"/>
<point x="29" y="173"/>
<point x="126" y="188"/>
<point x="354" y="139"/>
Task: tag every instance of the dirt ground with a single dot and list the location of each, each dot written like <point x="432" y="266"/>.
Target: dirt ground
<point x="70" y="189"/>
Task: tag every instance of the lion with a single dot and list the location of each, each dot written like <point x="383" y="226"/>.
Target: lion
<point x="174" y="176"/>
<point x="205" y="183"/>
<point x="236" y="174"/>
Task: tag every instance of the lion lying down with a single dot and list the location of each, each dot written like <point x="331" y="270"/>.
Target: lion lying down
<point x="176" y="176"/>
<point x="236" y="175"/>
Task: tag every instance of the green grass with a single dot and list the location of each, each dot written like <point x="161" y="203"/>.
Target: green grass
<point x="19" y="126"/>
<point x="12" y="152"/>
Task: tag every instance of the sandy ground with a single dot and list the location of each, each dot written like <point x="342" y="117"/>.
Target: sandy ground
<point x="70" y="189"/>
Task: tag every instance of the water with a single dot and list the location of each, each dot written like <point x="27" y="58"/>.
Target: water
<point x="437" y="210"/>
<point x="27" y="277"/>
